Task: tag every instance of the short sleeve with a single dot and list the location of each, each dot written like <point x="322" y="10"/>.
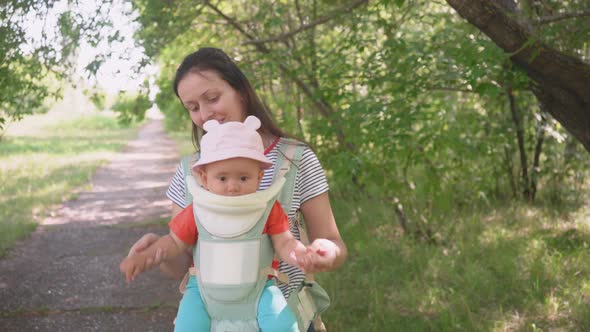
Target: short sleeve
<point x="311" y="180"/>
<point x="176" y="190"/>
<point x="184" y="227"/>
<point x="277" y="221"/>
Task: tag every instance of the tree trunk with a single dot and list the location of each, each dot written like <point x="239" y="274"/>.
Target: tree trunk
<point x="562" y="82"/>
<point x="520" y="142"/>
<point x="537" y="155"/>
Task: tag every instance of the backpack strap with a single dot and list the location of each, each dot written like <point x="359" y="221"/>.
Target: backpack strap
<point x="288" y="159"/>
<point x="186" y="162"/>
<point x="290" y="154"/>
<point x="309" y="300"/>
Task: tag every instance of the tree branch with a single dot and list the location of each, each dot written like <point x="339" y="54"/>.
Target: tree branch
<point x="324" y="108"/>
<point x="561" y="17"/>
<point x="320" y="20"/>
<point x="560" y="81"/>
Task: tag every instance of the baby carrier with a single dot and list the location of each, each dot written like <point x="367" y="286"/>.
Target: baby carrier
<point x="232" y="296"/>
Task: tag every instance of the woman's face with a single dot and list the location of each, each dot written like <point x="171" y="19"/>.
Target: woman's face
<point x="207" y="96"/>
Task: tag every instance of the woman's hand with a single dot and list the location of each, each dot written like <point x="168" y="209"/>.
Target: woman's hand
<point x="324" y="234"/>
<point x="142" y="244"/>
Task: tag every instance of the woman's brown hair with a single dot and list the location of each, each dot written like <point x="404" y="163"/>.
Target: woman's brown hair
<point x="209" y="58"/>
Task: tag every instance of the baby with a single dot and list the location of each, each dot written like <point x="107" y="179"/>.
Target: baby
<point x="229" y="208"/>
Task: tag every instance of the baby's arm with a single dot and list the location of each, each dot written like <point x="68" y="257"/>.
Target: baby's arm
<point x="135" y="264"/>
<point x="289" y="249"/>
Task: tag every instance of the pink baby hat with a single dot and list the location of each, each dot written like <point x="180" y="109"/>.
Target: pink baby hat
<point x="232" y="140"/>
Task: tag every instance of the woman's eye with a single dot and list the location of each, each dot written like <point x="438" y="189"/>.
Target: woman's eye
<point x="213" y="99"/>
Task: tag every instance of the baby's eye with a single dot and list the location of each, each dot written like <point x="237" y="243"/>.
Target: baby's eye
<point x="222" y="178"/>
<point x="244" y="178"/>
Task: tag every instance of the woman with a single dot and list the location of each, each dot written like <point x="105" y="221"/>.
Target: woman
<point x="211" y="86"/>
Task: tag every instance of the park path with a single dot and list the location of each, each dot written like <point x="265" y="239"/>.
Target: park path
<point x="65" y="276"/>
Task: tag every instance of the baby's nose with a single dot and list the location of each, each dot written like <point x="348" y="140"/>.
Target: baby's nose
<point x="232" y="187"/>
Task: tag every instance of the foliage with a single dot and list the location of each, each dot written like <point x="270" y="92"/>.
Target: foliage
<point x="401" y="99"/>
<point x="505" y="268"/>
<point x="130" y="108"/>
<point x="98" y="98"/>
<point x="38" y="44"/>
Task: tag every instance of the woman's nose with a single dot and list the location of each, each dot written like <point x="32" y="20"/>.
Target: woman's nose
<point x="206" y="113"/>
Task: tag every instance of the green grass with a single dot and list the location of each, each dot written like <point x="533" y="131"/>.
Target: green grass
<point x="45" y="159"/>
<point x="508" y="268"/>
<point x="183" y="141"/>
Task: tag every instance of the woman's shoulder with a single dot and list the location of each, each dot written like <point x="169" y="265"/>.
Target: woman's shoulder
<point x="291" y="141"/>
<point x="288" y="142"/>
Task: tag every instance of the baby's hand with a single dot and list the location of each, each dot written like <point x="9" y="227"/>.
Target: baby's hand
<point x="132" y="266"/>
<point x="304" y="258"/>
<point x="145" y="242"/>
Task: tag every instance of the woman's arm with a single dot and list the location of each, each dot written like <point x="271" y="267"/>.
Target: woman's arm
<point x="323" y="234"/>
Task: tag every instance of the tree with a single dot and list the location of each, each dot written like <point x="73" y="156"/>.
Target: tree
<point x="38" y="42"/>
<point x="421" y="95"/>
<point x="562" y="81"/>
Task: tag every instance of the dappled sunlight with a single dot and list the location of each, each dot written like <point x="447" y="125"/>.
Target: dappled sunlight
<point x="555" y="308"/>
<point x="493" y="233"/>
<point x="121" y="194"/>
<point x="511" y="268"/>
<point x="513" y="321"/>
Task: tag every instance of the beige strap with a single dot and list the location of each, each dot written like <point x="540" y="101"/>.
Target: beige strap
<point x="286" y="164"/>
<point x="280" y="276"/>
<point x="318" y="325"/>
<point x="192" y="271"/>
<point x="182" y="286"/>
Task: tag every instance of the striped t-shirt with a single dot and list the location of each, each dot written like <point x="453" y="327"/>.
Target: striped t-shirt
<point x="310" y="181"/>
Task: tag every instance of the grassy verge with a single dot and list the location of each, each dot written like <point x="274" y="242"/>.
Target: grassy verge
<point x="44" y="159"/>
<point x="509" y="268"/>
<point x="183" y="141"/>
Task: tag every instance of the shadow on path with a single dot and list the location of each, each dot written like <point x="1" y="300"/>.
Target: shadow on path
<point x="66" y="277"/>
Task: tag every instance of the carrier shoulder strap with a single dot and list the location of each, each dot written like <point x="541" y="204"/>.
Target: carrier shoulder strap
<point x="186" y="162"/>
<point x="288" y="160"/>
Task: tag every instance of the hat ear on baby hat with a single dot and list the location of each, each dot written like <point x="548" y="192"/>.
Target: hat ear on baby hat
<point x="252" y="122"/>
<point x="232" y="139"/>
<point x="210" y="125"/>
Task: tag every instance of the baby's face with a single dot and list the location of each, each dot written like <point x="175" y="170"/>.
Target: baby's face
<point x="232" y="177"/>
